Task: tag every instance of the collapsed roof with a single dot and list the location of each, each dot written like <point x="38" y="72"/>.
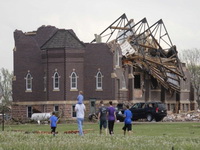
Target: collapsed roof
<point x="147" y="47"/>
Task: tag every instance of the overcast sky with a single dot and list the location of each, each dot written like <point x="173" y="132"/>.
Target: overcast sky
<point x="87" y="17"/>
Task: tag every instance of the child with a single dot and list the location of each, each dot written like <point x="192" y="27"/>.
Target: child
<point x="53" y="123"/>
<point x="80" y="98"/>
<point x="127" y="120"/>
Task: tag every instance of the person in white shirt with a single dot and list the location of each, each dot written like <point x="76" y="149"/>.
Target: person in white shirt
<point x="80" y="113"/>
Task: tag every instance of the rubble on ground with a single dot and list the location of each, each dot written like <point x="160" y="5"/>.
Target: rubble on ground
<point x="186" y="116"/>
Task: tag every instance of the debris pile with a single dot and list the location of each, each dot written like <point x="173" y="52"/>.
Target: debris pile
<point x="145" y="47"/>
<point x="181" y="117"/>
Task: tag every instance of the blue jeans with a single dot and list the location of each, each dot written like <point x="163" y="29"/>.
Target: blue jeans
<point x="80" y="125"/>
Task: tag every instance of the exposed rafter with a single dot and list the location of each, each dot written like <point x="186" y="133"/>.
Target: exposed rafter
<point x="148" y="48"/>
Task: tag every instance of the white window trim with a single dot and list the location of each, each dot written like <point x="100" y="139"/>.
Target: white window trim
<point x="76" y="77"/>
<point x="26" y="78"/>
<point x="97" y="81"/>
<point x="56" y="88"/>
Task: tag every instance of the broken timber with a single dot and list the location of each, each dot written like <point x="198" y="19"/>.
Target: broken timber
<point x="148" y="48"/>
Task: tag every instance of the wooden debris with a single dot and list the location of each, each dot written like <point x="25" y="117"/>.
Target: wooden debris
<point x="146" y="47"/>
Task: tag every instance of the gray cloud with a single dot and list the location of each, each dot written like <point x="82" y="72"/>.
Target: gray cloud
<point x="86" y="18"/>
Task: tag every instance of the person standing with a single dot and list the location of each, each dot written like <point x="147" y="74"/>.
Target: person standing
<point x="80" y="113"/>
<point x="53" y="123"/>
<point x="102" y="117"/>
<point x="111" y="118"/>
<point x="127" y="121"/>
<point x="80" y="97"/>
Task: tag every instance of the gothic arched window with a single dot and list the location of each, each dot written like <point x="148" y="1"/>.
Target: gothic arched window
<point x="73" y="83"/>
<point x="56" y="81"/>
<point x="99" y="80"/>
<point x="28" y="79"/>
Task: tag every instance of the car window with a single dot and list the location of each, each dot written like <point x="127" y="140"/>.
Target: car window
<point x="153" y="104"/>
<point x="150" y="105"/>
<point x="120" y="106"/>
<point x="161" y="106"/>
<point x="142" y="105"/>
<point x="137" y="105"/>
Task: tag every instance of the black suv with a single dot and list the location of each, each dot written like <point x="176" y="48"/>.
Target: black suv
<point x="148" y="110"/>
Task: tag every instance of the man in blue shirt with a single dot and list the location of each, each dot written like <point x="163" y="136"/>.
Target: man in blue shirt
<point x="53" y="123"/>
<point x="127" y="120"/>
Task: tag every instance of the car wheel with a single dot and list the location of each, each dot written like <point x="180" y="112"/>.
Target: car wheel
<point x="149" y="117"/>
<point x="158" y="119"/>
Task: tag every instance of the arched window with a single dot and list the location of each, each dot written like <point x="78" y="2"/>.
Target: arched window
<point x="28" y="82"/>
<point x="99" y="80"/>
<point x="56" y="81"/>
<point x="73" y="82"/>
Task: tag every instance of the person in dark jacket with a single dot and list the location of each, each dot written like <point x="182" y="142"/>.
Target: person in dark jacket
<point x="102" y="117"/>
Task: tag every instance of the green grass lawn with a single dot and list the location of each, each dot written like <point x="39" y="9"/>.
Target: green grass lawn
<point x="149" y="136"/>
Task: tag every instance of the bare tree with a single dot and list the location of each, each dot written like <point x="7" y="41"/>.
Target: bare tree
<point x="5" y="92"/>
<point x="5" y="87"/>
<point x="192" y="59"/>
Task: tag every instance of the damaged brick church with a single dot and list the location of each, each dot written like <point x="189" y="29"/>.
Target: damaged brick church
<point x="52" y="65"/>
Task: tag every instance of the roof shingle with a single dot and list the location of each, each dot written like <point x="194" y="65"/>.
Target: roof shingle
<point x="63" y="39"/>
